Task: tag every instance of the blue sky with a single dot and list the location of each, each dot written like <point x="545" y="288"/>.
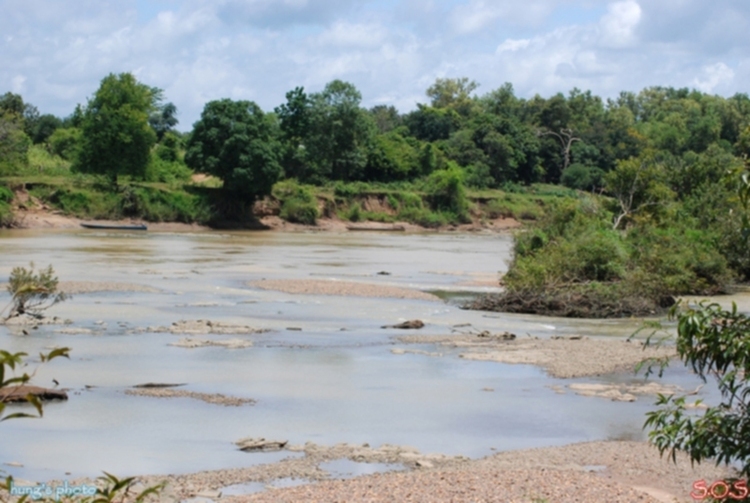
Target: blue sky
<point x="55" y="52"/>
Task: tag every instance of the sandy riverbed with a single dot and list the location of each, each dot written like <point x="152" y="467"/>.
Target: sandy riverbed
<point x="344" y="288"/>
<point x="617" y="472"/>
<point x="589" y="472"/>
<point x="562" y="358"/>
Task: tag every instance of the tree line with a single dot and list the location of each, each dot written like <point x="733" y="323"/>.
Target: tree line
<point x="494" y="139"/>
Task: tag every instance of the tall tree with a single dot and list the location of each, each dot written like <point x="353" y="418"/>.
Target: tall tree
<point x="236" y="141"/>
<point x="116" y="135"/>
<point x="294" y="121"/>
<point x="340" y="134"/>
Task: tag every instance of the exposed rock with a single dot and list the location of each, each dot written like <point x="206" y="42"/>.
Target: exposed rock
<point x="209" y="494"/>
<point x="204" y="327"/>
<point x="212" y="398"/>
<point x="19" y="393"/>
<point x="33" y="322"/>
<point x="411" y="324"/>
<point x="622" y="392"/>
<point x="260" y="444"/>
<point x="505" y="336"/>
<point x="202" y="343"/>
<point x="74" y="331"/>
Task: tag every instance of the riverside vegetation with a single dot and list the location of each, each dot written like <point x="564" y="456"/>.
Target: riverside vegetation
<point x="633" y="199"/>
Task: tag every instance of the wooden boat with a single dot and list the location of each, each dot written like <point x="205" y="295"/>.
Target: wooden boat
<point x="372" y="226"/>
<point x="120" y="227"/>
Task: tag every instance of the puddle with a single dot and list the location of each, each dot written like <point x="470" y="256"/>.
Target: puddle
<point x="257" y="487"/>
<point x="347" y="469"/>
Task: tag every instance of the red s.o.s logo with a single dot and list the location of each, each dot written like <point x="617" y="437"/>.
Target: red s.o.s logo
<point x="720" y="490"/>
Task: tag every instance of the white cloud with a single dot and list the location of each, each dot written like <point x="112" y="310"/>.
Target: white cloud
<point x="713" y="76"/>
<point x="511" y="45"/>
<point x="199" y="50"/>
<point x="618" y="25"/>
<point x="479" y="14"/>
<point x="17" y="84"/>
<point x="353" y="35"/>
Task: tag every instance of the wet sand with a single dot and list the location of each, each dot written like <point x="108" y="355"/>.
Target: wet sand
<point x="343" y="288"/>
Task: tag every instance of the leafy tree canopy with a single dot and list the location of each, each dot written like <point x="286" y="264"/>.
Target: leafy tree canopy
<point x="116" y="136"/>
<point x="236" y="141"/>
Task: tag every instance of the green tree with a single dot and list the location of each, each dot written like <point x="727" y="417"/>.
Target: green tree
<point x="454" y="94"/>
<point x="236" y="141"/>
<point x="340" y="134"/>
<point x="639" y="187"/>
<point x="14" y="145"/>
<point x="294" y="122"/>
<point x="116" y="135"/>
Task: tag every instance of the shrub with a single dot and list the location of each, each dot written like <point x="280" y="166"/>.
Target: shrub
<point x="446" y="192"/>
<point x="580" y="177"/>
<point x="355" y="213"/>
<point x="298" y="203"/>
<point x="166" y="171"/>
<point x="65" y="142"/>
<point x="33" y="292"/>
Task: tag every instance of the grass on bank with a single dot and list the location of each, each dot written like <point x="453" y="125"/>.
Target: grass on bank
<point x="170" y="193"/>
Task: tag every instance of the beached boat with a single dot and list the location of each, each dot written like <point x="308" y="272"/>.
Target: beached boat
<point x="121" y="227"/>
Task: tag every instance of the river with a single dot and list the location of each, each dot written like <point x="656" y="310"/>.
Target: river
<point x="335" y="380"/>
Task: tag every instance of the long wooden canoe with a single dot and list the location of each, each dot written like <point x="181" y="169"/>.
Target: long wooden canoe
<point x="123" y="227"/>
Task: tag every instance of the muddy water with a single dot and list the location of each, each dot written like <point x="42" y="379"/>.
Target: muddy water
<point x="335" y="380"/>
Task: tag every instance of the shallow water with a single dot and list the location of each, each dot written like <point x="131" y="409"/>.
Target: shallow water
<point x="334" y="381"/>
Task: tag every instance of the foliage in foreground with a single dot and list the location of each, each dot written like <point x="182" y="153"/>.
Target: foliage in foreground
<point x="715" y="344"/>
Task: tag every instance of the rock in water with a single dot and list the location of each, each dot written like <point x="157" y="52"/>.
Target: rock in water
<point x="260" y="444"/>
<point x="407" y="324"/>
<point x="19" y="393"/>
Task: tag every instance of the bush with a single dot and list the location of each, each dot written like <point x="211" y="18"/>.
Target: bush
<point x="6" y="195"/>
<point x="355" y="213"/>
<point x="580" y="177"/>
<point x="166" y="171"/>
<point x="446" y="192"/>
<point x="298" y="203"/>
<point x="65" y="143"/>
<point x="573" y="256"/>
<point x="33" y="292"/>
